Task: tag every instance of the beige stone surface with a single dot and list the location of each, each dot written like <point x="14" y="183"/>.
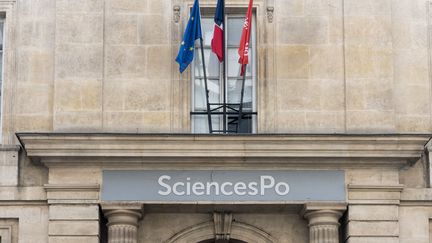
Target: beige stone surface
<point x="293" y="62"/>
<point x="415" y="224"/>
<point x="74" y="212"/>
<point x="82" y="228"/>
<point x="33" y="221"/>
<point x="286" y="227"/>
<point x="70" y="239"/>
<point x="380" y="228"/>
<point x="373" y="212"/>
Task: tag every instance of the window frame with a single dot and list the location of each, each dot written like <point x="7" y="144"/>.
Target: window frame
<point x="253" y="76"/>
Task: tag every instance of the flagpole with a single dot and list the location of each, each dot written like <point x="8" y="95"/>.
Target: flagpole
<point x="206" y="88"/>
<point x="224" y="71"/>
<point x="240" y="116"/>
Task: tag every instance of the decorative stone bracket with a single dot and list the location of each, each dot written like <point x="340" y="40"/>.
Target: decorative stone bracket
<point x="176" y="10"/>
<point x="222" y="224"/>
<point x="270" y="11"/>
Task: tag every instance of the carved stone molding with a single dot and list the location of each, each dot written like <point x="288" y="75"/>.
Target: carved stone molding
<point x="59" y="149"/>
<point x="222" y="224"/>
<point x="176" y="13"/>
<point x="270" y="11"/>
<point x="205" y="231"/>
<point x="70" y="193"/>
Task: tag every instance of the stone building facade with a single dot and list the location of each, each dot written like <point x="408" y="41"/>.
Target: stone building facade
<point x="90" y="88"/>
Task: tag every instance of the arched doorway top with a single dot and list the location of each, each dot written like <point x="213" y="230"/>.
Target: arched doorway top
<point x="205" y="231"/>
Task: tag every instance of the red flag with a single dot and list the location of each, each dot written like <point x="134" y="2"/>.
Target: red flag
<point x="243" y="50"/>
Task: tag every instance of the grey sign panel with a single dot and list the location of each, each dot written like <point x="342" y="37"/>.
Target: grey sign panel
<point x="223" y="186"/>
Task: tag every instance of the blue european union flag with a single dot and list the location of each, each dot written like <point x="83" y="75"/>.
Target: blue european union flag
<point x="193" y="32"/>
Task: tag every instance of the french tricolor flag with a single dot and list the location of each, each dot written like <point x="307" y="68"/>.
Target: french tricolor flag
<point x="217" y="41"/>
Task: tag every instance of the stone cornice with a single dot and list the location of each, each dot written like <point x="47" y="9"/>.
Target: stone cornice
<point x="283" y="148"/>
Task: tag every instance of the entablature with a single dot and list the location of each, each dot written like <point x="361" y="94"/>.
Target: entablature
<point x="256" y="149"/>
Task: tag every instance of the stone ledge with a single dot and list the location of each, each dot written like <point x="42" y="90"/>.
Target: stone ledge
<point x="62" y="148"/>
<point x="80" y="192"/>
<point x="416" y="197"/>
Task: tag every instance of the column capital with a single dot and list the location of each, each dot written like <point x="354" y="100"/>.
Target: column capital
<point x="308" y="207"/>
<point x="122" y="222"/>
<point x="125" y="206"/>
<point x="323" y="221"/>
<point x="123" y="214"/>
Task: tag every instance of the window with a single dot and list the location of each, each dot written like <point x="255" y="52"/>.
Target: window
<point x="230" y="85"/>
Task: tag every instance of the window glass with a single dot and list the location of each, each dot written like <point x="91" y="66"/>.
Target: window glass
<point x="235" y="28"/>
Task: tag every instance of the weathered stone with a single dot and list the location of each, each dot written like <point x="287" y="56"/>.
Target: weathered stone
<point x="79" y="28"/>
<point x="153" y="29"/>
<point x="74" y="212"/>
<point x="82" y="120"/>
<point x="36" y="33"/>
<point x="373" y="212"/>
<point x="363" y="61"/>
<point x="78" y="96"/>
<point x="121" y="29"/>
<point x="87" y="6"/>
<point x="71" y="239"/>
<point x="158" y="59"/>
<point x="34" y="99"/>
<point x="303" y="30"/>
<point x="373" y="228"/>
<point x="326" y="62"/>
<point x="36" y="66"/>
<point x="126" y="6"/>
<point x="292" y="62"/>
<point x="79" y="61"/>
<point x="81" y="228"/>
<point x="125" y="62"/>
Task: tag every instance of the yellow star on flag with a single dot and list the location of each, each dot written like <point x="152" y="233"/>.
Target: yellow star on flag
<point x="191" y="49"/>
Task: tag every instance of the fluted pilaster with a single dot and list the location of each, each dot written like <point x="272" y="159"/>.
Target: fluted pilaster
<point x="323" y="224"/>
<point x="122" y="224"/>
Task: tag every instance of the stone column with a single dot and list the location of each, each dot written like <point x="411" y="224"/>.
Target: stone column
<point x="323" y="222"/>
<point x="122" y="223"/>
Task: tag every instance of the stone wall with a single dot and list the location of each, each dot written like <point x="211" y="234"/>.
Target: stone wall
<point x="324" y="66"/>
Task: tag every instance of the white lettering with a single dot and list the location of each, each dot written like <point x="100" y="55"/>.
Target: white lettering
<point x="177" y="184"/>
<point x="224" y="192"/>
<point x="278" y="188"/>
<point x="188" y="191"/>
<point x="198" y="186"/>
<point x="253" y="187"/>
<point x="215" y="185"/>
<point x="161" y="183"/>
<point x="265" y="186"/>
<point x="240" y="186"/>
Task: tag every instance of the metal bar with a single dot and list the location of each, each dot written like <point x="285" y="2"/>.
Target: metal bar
<point x="206" y="89"/>
<point x="221" y="113"/>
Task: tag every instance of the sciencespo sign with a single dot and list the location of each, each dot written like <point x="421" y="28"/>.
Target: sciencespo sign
<point x="223" y="186"/>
